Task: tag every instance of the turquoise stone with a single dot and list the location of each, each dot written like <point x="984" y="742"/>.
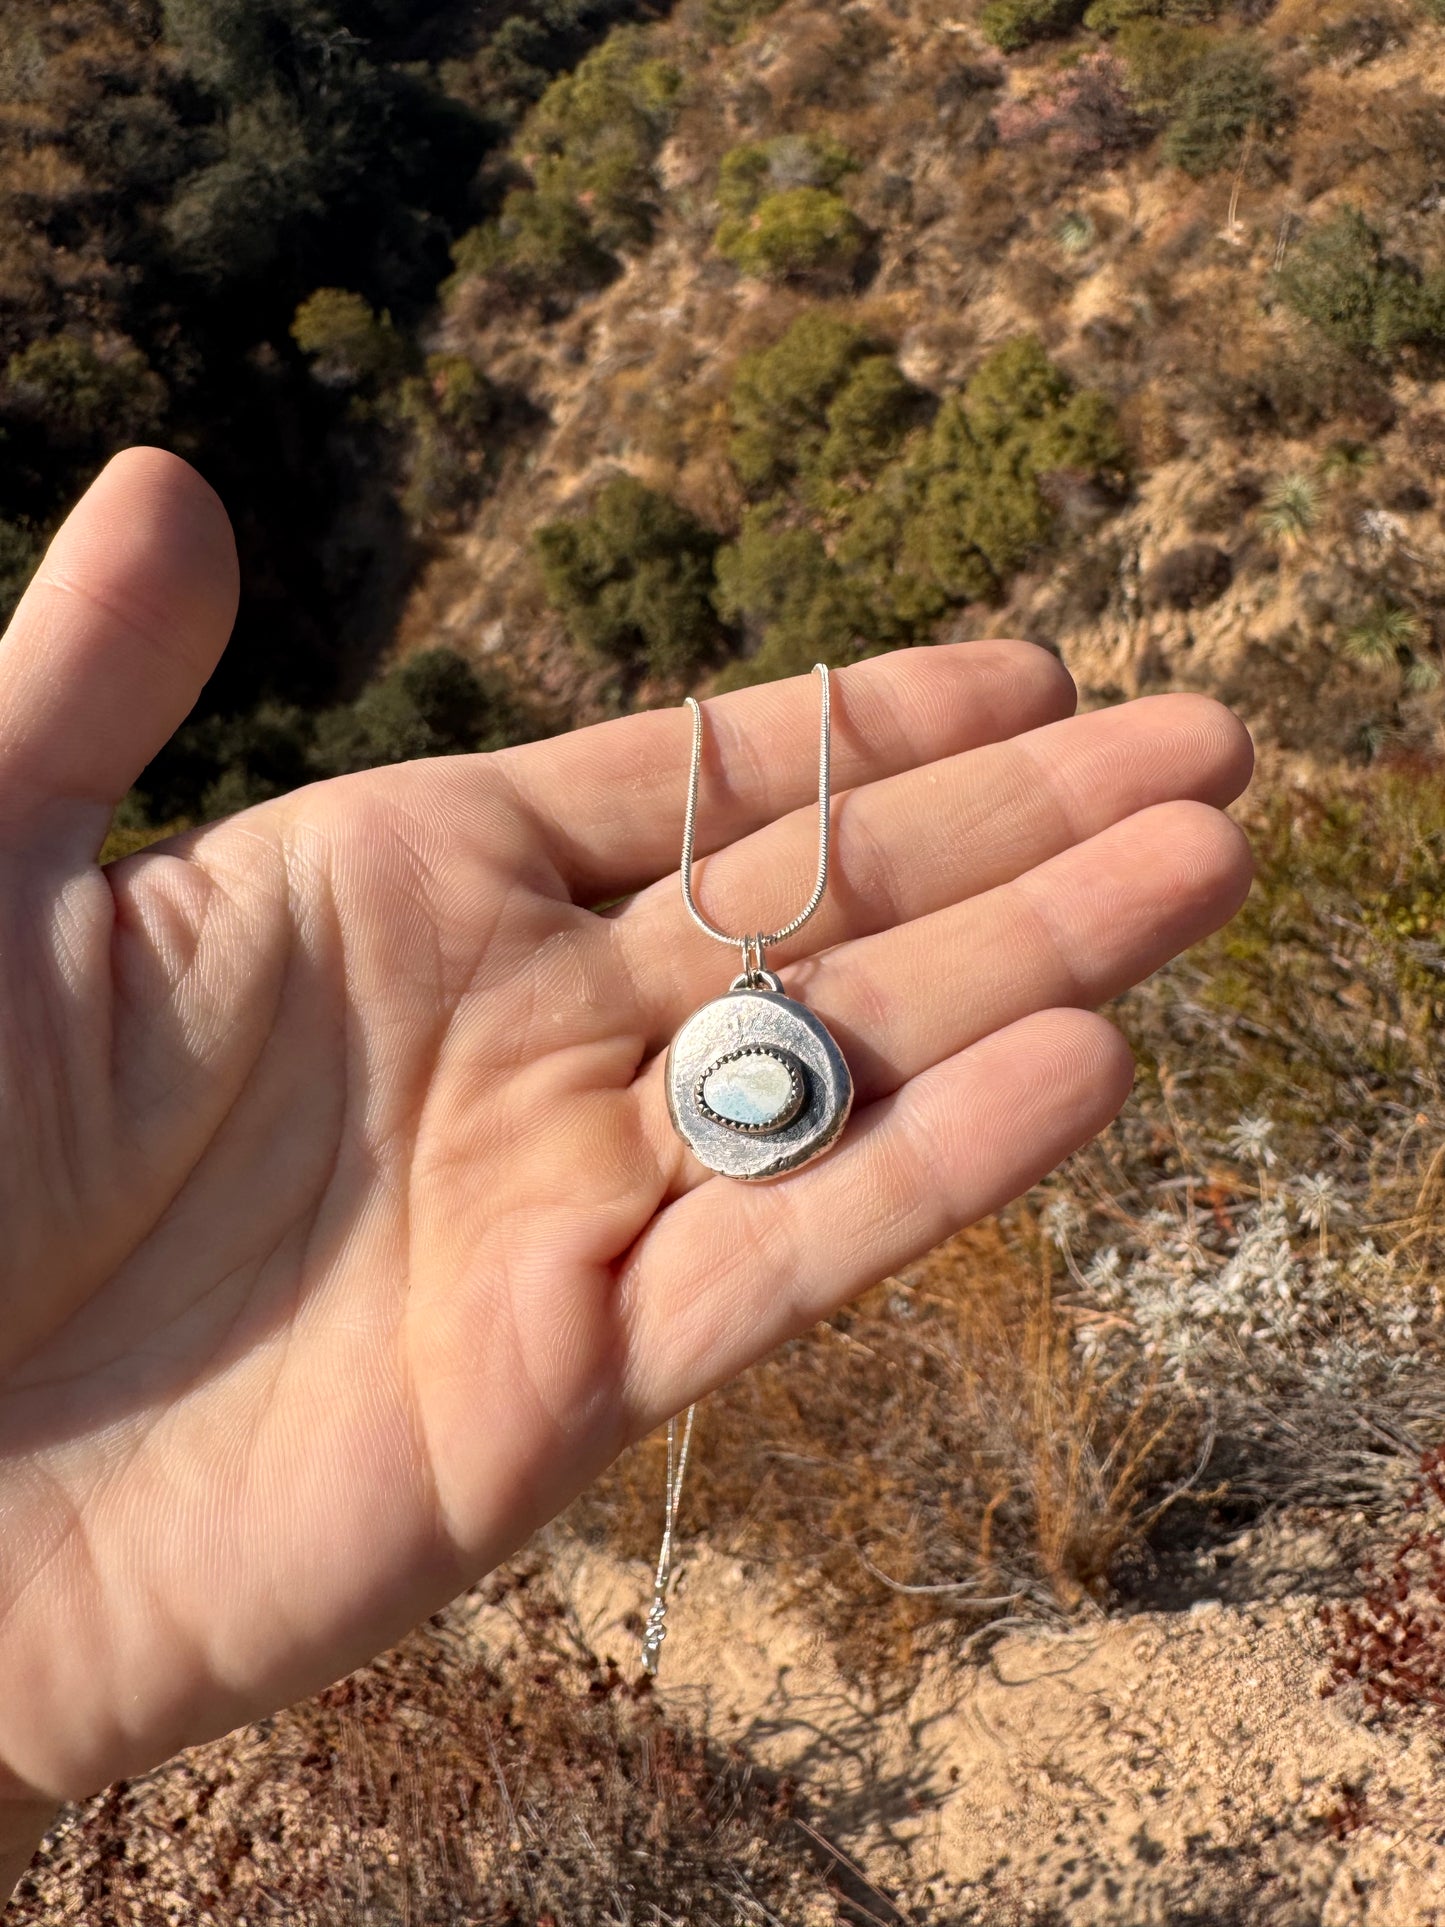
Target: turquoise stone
<point x="754" y="1091"/>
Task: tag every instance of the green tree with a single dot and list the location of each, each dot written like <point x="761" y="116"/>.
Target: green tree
<point x="447" y="413"/>
<point x="633" y="578"/>
<point x="868" y="420"/>
<point x="593" y="137"/>
<point x="309" y="136"/>
<point x="783" y="589"/>
<point x="588" y="147"/>
<point x="20" y="552"/>
<point x="540" y="247"/>
<point x="1107" y="16"/>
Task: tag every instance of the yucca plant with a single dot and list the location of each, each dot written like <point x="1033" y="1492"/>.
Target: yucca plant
<point x="1291" y="509"/>
<point x="1385" y="637"/>
<point x="1075" y="232"/>
<point x="1346" y="461"/>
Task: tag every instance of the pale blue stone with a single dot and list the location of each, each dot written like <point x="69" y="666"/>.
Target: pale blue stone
<point x="754" y="1091"/>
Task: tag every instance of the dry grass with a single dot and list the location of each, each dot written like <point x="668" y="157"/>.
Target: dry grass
<point x="435" y="1787"/>
<point x="934" y="1458"/>
<point x="948" y="1452"/>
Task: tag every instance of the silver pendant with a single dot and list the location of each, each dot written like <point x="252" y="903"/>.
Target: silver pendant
<point x="755" y="1083"/>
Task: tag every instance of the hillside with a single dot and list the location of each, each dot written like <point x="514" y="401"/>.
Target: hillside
<point x="1221" y="223"/>
<point x="565" y="357"/>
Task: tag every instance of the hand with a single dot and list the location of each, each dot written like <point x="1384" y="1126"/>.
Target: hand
<point x="346" y="1236"/>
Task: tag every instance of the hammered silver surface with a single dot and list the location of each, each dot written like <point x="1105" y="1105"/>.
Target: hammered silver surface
<point x="764" y="1018"/>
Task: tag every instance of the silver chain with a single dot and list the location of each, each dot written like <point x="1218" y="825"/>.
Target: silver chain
<point x="754" y="946"/>
<point x="655" y="1631"/>
<point x="656" y="1628"/>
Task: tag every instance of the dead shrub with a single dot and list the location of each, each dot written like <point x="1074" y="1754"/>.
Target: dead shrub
<point x="1227" y="508"/>
<point x="1088" y="583"/>
<point x="435" y="1786"/>
<point x="1424" y="431"/>
<point x="1085" y="113"/>
<point x="1279" y="387"/>
<point x="1189" y="578"/>
<point x="1382" y="151"/>
<point x="1147" y="422"/>
<point x="1040" y="292"/>
<point x="930" y="1459"/>
<point x="827" y="60"/>
<point x="993" y="199"/>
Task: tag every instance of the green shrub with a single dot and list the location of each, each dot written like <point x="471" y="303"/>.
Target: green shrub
<point x="790" y="418"/>
<point x="348" y="343"/>
<point x="729" y="20"/>
<point x="86" y="396"/>
<point x="446" y="413"/>
<point x="868" y="420"/>
<point x="951" y="512"/>
<point x="593" y="137"/>
<point x="1161" y="58"/>
<point x="1229" y="94"/>
<point x="799" y="234"/>
<point x="20" y="552"/>
<point x="1344" y="282"/>
<point x="1107" y="16"/>
<point x="540" y="246"/>
<point x="1015" y="24"/>
<point x="433" y="704"/>
<point x="884" y="546"/>
<point x="633" y="578"/>
<point x="750" y="173"/>
<point x="589" y="146"/>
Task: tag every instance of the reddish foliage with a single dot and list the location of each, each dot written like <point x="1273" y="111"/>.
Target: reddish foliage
<point x="1084" y="113"/>
<point x="1390" y="1641"/>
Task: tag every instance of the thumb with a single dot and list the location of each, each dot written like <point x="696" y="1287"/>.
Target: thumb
<point x="108" y="650"/>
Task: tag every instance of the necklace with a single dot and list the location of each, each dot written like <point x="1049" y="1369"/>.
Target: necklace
<point x="755" y="1084"/>
<point x="756" y="1087"/>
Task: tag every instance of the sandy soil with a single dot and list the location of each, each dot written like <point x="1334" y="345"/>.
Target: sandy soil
<point x="1176" y="1767"/>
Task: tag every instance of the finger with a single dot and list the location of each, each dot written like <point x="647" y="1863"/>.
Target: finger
<point x="1075" y="931"/>
<point x="912" y="844"/>
<point x="610" y="800"/>
<point x="111" y="643"/>
<point x="732" y="1270"/>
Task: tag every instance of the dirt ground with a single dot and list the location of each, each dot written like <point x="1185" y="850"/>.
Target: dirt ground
<point x="1159" y="1767"/>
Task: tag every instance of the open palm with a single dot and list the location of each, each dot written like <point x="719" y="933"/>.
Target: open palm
<point x="346" y="1235"/>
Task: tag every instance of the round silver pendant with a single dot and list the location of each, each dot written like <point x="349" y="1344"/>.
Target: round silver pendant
<point x="755" y="1083"/>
